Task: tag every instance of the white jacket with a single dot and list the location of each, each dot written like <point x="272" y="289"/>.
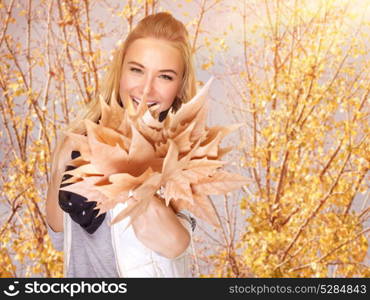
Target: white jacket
<point x="133" y="259"/>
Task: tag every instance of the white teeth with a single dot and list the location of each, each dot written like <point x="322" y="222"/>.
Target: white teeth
<point x="137" y="101"/>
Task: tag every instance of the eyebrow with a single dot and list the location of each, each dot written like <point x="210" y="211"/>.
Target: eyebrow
<point x="140" y="65"/>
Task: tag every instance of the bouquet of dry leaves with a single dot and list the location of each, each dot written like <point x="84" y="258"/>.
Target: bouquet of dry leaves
<point x="131" y="154"/>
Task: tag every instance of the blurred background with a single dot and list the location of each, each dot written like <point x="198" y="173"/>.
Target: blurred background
<point x="295" y="73"/>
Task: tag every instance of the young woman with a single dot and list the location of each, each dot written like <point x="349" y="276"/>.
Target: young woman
<point x="155" y="62"/>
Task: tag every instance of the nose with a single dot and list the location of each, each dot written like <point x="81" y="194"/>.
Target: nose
<point x="147" y="85"/>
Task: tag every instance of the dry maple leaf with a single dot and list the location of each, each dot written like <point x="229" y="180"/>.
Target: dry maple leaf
<point x="130" y="153"/>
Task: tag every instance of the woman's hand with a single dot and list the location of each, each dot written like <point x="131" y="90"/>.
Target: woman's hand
<point x="159" y="229"/>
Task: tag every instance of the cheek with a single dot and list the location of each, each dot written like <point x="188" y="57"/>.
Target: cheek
<point x="125" y="85"/>
<point x="170" y="94"/>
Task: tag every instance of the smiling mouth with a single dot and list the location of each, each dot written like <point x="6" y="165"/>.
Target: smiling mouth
<point x="153" y="107"/>
<point x="137" y="102"/>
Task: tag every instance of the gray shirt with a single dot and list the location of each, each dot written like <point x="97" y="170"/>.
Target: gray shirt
<point x="91" y="254"/>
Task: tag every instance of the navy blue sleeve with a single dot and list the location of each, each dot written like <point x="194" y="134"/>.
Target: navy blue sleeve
<point x="81" y="211"/>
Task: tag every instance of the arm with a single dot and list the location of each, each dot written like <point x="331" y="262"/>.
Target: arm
<point x="54" y="213"/>
<point x="159" y="229"/>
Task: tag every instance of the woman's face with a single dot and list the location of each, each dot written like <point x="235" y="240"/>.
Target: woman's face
<point x="153" y="68"/>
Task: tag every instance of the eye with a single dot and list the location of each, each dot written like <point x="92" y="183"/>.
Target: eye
<point x="167" y="77"/>
<point x="135" y="70"/>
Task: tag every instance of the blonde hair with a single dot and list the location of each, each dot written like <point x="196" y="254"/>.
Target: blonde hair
<point x="161" y="26"/>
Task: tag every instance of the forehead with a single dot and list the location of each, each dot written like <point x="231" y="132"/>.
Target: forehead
<point x="154" y="53"/>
